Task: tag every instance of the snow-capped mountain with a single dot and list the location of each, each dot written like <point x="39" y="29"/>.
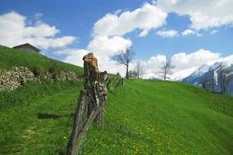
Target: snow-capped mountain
<point x="195" y="77"/>
<point x="217" y="77"/>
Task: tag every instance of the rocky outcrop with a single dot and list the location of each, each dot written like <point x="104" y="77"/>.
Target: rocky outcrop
<point x="18" y="76"/>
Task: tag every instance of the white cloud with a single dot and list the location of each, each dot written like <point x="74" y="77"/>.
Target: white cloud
<point x="189" y="32"/>
<point x="15" y="31"/>
<point x="108" y="36"/>
<point x="103" y="48"/>
<point x="214" y="31"/>
<point x="44" y="30"/>
<point x="203" y="15"/>
<point x="152" y="65"/>
<point x="184" y="63"/>
<point x="106" y="64"/>
<point x="38" y="15"/>
<point x="54" y="42"/>
<point x="155" y="61"/>
<point x="197" y="58"/>
<point x="103" y="45"/>
<point x="74" y="56"/>
<point x="147" y="17"/>
<point x="167" y="34"/>
<point x="228" y="59"/>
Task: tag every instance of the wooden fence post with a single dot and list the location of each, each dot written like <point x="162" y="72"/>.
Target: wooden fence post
<point x="90" y="103"/>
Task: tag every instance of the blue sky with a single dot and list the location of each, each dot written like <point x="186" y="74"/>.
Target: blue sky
<point x="188" y="33"/>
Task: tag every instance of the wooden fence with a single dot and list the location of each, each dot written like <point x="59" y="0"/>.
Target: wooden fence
<point x="91" y="101"/>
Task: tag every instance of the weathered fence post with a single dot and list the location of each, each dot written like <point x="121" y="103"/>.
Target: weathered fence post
<point x="90" y="103"/>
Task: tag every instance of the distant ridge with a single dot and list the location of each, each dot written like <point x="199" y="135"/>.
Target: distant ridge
<point x="14" y="57"/>
<point x="217" y="77"/>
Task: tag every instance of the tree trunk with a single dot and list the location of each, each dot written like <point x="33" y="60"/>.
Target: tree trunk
<point x="127" y="71"/>
<point x="165" y="75"/>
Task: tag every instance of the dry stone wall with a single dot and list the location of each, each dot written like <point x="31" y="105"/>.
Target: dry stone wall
<point x="17" y="76"/>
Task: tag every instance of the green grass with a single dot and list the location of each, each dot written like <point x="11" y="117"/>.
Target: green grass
<point x="154" y="117"/>
<point x="37" y="118"/>
<point x="142" y="117"/>
<point x="37" y="62"/>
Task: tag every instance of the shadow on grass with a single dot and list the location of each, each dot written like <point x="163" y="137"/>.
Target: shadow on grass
<point x="52" y="116"/>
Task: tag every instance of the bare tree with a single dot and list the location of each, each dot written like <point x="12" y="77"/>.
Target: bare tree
<point x="124" y="58"/>
<point x="165" y="69"/>
<point x="139" y="69"/>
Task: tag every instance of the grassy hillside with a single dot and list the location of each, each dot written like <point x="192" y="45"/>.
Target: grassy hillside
<point x="154" y="117"/>
<point x="142" y="117"/>
<point x="35" y="61"/>
<point x="36" y="118"/>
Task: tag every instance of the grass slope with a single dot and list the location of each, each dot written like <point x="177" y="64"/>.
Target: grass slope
<point x="37" y="118"/>
<point x="142" y="117"/>
<point x="35" y="61"/>
<point x="154" y="117"/>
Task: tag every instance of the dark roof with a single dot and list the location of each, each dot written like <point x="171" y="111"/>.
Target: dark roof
<point x="27" y="45"/>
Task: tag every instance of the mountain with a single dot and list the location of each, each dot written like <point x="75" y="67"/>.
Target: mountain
<point x="195" y="77"/>
<point x="217" y="77"/>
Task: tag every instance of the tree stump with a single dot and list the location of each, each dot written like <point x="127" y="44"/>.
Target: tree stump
<point x="90" y="103"/>
<point x="94" y="86"/>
